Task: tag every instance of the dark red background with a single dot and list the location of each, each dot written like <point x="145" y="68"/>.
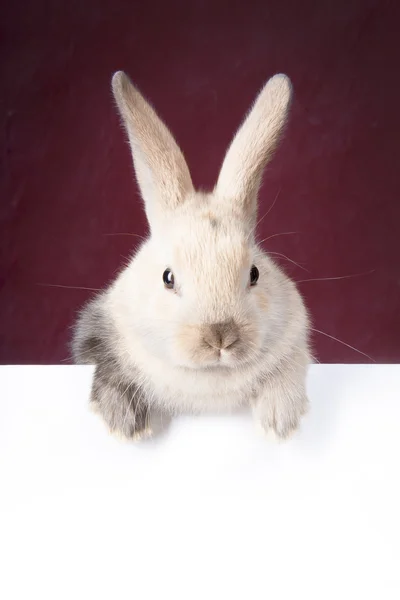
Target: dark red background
<point x="66" y="176"/>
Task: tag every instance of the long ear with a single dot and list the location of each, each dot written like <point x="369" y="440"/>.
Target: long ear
<point x="253" y="146"/>
<point x="161" y="170"/>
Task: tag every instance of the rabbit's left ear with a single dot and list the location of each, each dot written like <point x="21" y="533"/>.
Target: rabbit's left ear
<point x="253" y="146"/>
<point x="161" y="170"/>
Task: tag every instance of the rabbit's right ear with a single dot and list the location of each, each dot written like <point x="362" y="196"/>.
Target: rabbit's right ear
<point x="161" y="170"/>
<point x="253" y="146"/>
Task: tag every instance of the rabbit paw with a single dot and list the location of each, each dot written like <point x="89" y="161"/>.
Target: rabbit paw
<point x="280" y="409"/>
<point x="122" y="407"/>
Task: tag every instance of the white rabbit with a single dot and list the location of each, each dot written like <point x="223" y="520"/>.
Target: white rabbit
<point x="201" y="319"/>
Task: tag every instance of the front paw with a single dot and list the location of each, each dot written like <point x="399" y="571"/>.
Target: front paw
<point x="287" y="420"/>
<point x="123" y="408"/>
<point x="281" y="412"/>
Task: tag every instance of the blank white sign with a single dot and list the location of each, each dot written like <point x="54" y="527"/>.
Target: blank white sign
<point x="210" y="509"/>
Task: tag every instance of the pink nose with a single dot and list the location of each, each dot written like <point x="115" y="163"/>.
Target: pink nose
<point x="221" y="335"/>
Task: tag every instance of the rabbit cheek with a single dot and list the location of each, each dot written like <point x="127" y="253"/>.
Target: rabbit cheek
<point x="250" y="343"/>
<point x="261" y="299"/>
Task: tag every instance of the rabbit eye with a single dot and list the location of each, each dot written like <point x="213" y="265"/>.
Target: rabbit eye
<point x="168" y="279"/>
<point x="254" y="275"/>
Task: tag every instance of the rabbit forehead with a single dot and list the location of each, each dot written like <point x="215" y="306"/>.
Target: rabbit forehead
<point x="206" y="239"/>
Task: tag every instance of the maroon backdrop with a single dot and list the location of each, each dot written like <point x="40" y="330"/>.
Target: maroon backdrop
<point x="66" y="178"/>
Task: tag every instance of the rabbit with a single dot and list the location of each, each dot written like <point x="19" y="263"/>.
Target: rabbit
<point x="201" y="319"/>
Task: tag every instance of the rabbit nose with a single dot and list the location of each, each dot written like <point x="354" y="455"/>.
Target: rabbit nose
<point x="222" y="335"/>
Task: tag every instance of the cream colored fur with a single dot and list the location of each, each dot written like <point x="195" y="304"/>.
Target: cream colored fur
<point x="156" y="336"/>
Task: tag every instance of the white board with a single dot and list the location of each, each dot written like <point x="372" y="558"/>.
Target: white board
<point x="208" y="510"/>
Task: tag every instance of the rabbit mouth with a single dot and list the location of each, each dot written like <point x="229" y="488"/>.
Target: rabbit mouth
<point x="226" y="359"/>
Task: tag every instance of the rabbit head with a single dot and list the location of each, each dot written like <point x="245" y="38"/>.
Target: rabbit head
<point x="199" y="293"/>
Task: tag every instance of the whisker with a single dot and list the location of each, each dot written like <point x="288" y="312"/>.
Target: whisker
<point x="344" y="343"/>
<point x="289" y="259"/>
<point x="69" y="358"/>
<point x="69" y="287"/>
<point x="85" y="353"/>
<point x="130" y="234"/>
<point x="270" y="208"/>
<point x="306" y="354"/>
<point x="336" y="278"/>
<point x="276" y="235"/>
<point x="129" y="405"/>
<point x="292" y="362"/>
<point x="137" y="404"/>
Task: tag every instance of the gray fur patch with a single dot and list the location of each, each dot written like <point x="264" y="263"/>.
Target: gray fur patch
<point x="123" y="406"/>
<point x="116" y="395"/>
<point x="214" y="223"/>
